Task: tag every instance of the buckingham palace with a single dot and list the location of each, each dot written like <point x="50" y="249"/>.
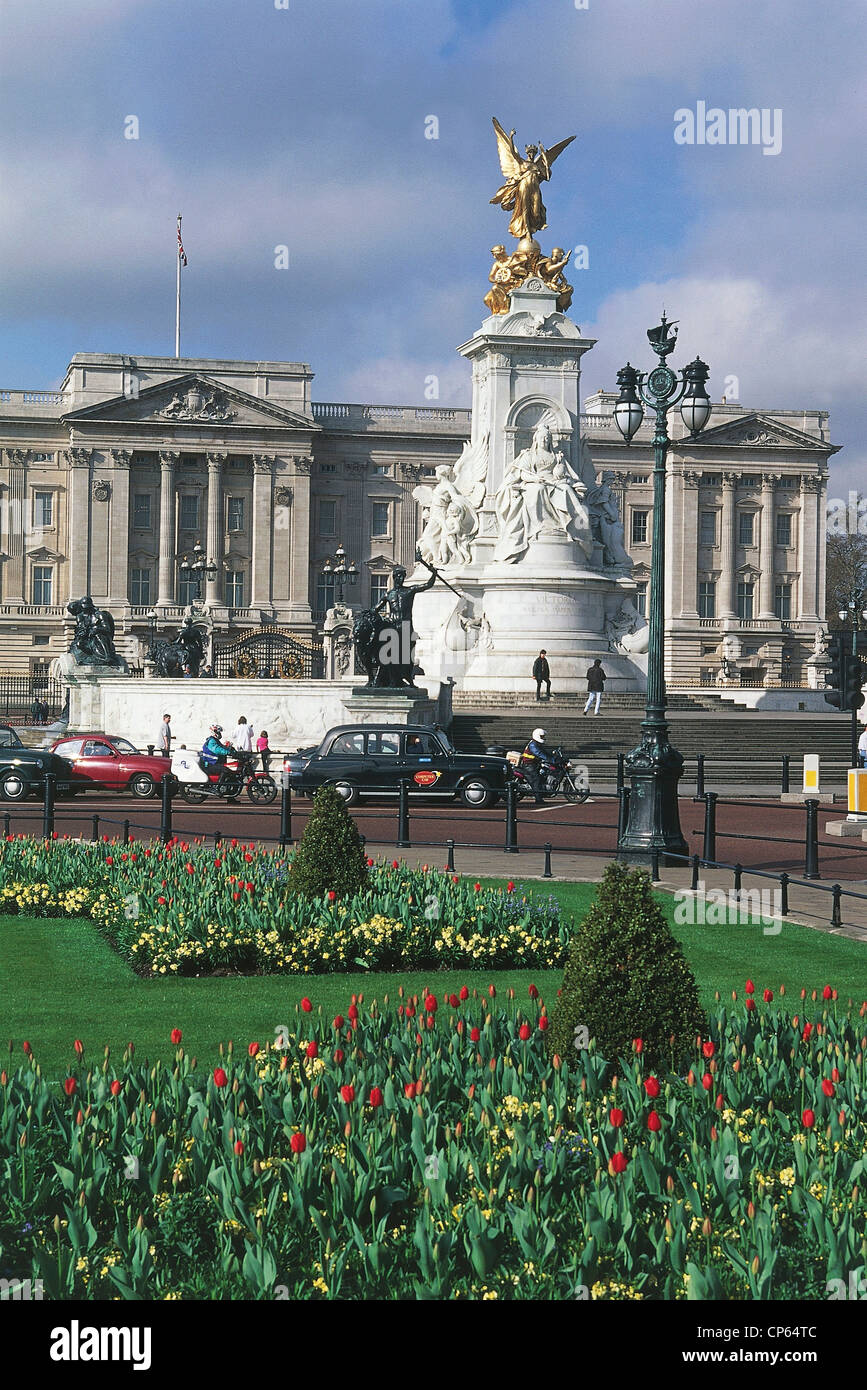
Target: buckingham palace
<point x="109" y="482"/>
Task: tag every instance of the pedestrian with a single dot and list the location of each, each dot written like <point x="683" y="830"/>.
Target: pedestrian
<point x="242" y="738"/>
<point x="35" y="710"/>
<point x="263" y="750"/>
<point x="43" y="712"/>
<point x="164" y="737"/>
<point x="542" y="675"/>
<point x="595" y="685"/>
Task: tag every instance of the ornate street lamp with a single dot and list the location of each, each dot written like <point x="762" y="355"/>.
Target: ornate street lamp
<point x="339" y="572"/>
<point x="856" y="613"/>
<point x="198" y="569"/>
<point x="152" y="618"/>
<point x="654" y="767"/>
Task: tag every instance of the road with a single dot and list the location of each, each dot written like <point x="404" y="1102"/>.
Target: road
<point x="589" y="828"/>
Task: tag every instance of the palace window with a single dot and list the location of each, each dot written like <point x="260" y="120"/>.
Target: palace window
<point x="235" y="514"/>
<point x="43" y="584"/>
<point x="190" y="511"/>
<point x="382" y="470"/>
<point x="141" y="511"/>
<point x="327" y="517"/>
<point x="234" y="588"/>
<point x="41" y="458"/>
<point x="328" y="468"/>
<point x="641" y="598"/>
<point x="41" y="640"/>
<point x="639" y="527"/>
<point x="745" y="528"/>
<point x="380" y="518"/>
<point x="707" y="528"/>
<point x="324" y="595"/>
<point x="187" y="590"/>
<point x="140" y="586"/>
<point x="707" y="598"/>
<point x="745" y="600"/>
<point x="748" y="481"/>
<point x="43" y="509"/>
<point x="789" y="481"/>
<point x="784" y="528"/>
<point x="378" y="588"/>
<point x="783" y="601"/>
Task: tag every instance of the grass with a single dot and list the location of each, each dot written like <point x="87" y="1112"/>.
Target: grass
<point x="62" y="981"/>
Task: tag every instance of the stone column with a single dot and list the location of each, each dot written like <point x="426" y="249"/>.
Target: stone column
<point x="261" y="595"/>
<point x="299" y="552"/>
<point x="405" y="538"/>
<point x="810" y="549"/>
<point x="78" y="462"/>
<point x="728" y="597"/>
<point x="17" y="527"/>
<point x="214" y="541"/>
<point x="766" y="552"/>
<point x="167" y="568"/>
<point x="118" y="528"/>
<point x="687" y="543"/>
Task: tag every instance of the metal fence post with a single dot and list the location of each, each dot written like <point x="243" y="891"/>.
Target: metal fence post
<point x="738" y="871"/>
<point x="695" y="863"/>
<point x="811" y="846"/>
<point x="654" y="863"/>
<point x="150" y="750"/>
<point x="699" y="775"/>
<point x="126" y="832"/>
<point x="784" y="778"/>
<point x="403" y="840"/>
<point x="94" y="829"/>
<point x="708" y="853"/>
<point x="836" y="914"/>
<point x="511" y="819"/>
<point x="784" y="894"/>
<point x="622" y="813"/>
<point x="547" y="872"/>
<point x="621" y="759"/>
<point x="450" y="860"/>
<point x="166" y="808"/>
<point x="285" y="816"/>
<point x="48" y="806"/>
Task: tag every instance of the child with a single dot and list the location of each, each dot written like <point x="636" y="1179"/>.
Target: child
<point x="263" y="749"/>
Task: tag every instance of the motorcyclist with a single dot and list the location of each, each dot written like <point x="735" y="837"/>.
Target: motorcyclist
<point x="215" y="752"/>
<point x="533" y="759"/>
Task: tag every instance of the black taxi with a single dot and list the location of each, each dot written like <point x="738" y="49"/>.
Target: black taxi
<point x="373" y="759"/>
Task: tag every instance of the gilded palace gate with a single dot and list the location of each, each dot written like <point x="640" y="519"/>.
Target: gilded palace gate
<point x="269" y="653"/>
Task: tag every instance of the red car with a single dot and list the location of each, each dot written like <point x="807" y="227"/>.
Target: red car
<point x="101" y="761"/>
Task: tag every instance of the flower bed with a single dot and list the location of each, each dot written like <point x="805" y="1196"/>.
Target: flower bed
<point x="188" y="909"/>
<point x="434" y="1148"/>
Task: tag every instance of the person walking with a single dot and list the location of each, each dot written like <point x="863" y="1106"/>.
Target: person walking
<point x="263" y="750"/>
<point x="595" y="685"/>
<point x="542" y="674"/>
<point x="164" y="737"/>
<point x="242" y="738"/>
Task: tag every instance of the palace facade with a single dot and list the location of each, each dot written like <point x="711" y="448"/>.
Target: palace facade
<point x="106" y="484"/>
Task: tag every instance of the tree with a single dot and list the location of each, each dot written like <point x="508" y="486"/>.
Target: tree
<point x="626" y="977"/>
<point x="330" y="856"/>
<point x="846" y="573"/>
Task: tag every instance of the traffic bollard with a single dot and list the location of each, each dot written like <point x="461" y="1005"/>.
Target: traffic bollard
<point x="547" y="873"/>
<point x="699" y="775"/>
<point x="784" y="778"/>
<point x="286" y="816"/>
<point x="511" y="819"/>
<point x="450" y="860"/>
<point x="695" y="863"/>
<point x="811" y="840"/>
<point x="836" y="914"/>
<point x="403" y="841"/>
<point x="94" y="829"/>
<point x="48" y="806"/>
<point x="784" y="895"/>
<point x="126" y="832"/>
<point x="654" y="863"/>
<point x="166" y="808"/>
<point x="708" y="853"/>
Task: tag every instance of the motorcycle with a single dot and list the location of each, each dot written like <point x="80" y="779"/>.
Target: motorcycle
<point x="559" y="774"/>
<point x="199" y="780"/>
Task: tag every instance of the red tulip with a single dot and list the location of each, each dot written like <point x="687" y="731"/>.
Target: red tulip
<point x="477" y="887"/>
<point x="826" y="992"/>
<point x="510" y="887"/>
<point x="707" y="1049"/>
<point x="619" y="1162"/>
<point x="768" y="995"/>
<point x="239" y="1147"/>
<point x="370" y="863"/>
<point x="465" y="993"/>
<point x="474" y="1035"/>
<point x="750" y="987"/>
<point x="835" y="1075"/>
<point x="109" y="859"/>
<point x="25" y="1047"/>
<point x="543" y="1024"/>
<point x="220" y="1077"/>
<point x="808" y="1028"/>
<point x="751" y="1004"/>
<point x="707" y="1081"/>
<point x="253" y="1048"/>
<point x="176" y="1036"/>
<point x="312" y="1049"/>
<point x="338" y="1055"/>
<point x="616" y="1117"/>
<point x="332" y="896"/>
<point x="430" y="1003"/>
<point x="115" y="1088"/>
<point x="376" y="1097"/>
<point x="409" y="1090"/>
<point x="79" y="1046"/>
<point x="827" y="1087"/>
<point x="453" y="1000"/>
<point x="347" y="1093"/>
<point x="524" y="1032"/>
<point x="654" y="1123"/>
<point x="298" y="1142"/>
<point x="69" y="1085"/>
<point x="429" y="1020"/>
<point x="410" y="1011"/>
<point x="492" y="992"/>
<point x="651" y="1086"/>
<point x="352" y="1012"/>
<point x="808" y="1119"/>
<point x="395" y="864"/>
<point x="533" y="992"/>
<point x="638" y="1045"/>
<point x="339" y="1021"/>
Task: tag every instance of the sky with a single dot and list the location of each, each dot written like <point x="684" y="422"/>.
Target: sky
<point x="304" y="124"/>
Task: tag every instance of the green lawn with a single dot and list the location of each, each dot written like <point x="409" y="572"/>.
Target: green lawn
<point x="61" y="981"/>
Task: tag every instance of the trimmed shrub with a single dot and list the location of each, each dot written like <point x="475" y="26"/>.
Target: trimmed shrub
<point x="330" y="856"/>
<point x="626" y="977"/>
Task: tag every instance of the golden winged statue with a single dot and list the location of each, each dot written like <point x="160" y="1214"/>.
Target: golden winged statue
<point x="520" y="193"/>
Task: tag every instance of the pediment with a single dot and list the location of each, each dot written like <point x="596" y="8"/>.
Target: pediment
<point x="759" y="431"/>
<point x="192" y="399"/>
<point x="42" y="555"/>
<point x="380" y="562"/>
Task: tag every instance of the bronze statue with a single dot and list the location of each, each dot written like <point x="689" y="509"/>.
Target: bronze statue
<point x="182" y="657"/>
<point x="520" y="193"/>
<point x="383" y="635"/>
<point x="93" y="641"/>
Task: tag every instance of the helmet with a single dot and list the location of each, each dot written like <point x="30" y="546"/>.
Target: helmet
<point x="540" y="735"/>
<point x="216" y="728"/>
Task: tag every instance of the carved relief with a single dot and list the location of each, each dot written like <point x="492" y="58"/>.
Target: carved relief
<point x="302" y="463"/>
<point x="283" y="497"/>
<point x="198" y="403"/>
<point x="18" y="457"/>
<point x="691" y="477"/>
<point x="78" y="458"/>
<point x="263" y="463"/>
<point x="101" y="490"/>
<point x="121" y="458"/>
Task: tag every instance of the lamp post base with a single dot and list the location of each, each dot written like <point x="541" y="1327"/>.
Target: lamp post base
<point x="654" y="769"/>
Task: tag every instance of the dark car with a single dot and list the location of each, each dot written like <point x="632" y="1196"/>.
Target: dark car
<point x="106" y="762"/>
<point x="22" y="770"/>
<point x="373" y="759"/>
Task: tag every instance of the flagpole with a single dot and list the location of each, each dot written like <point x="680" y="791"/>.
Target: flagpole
<point x="178" y="295"/>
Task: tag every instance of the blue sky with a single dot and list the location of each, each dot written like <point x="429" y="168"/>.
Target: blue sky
<point x="305" y="127"/>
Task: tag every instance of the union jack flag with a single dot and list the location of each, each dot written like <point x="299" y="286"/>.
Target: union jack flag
<point x="181" y="252"/>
